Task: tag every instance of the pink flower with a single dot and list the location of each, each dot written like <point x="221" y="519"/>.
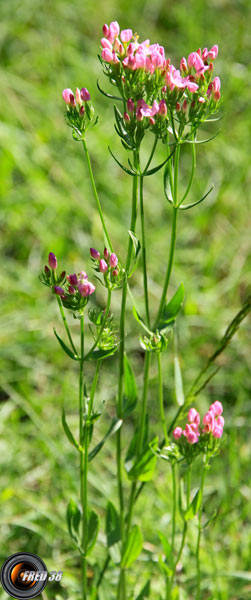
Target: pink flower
<point x="94" y="253"/>
<point x="115" y="273"/>
<point x="105" y="30"/>
<point x="68" y="96"/>
<point x="86" y="288"/>
<point x="83" y="275"/>
<point x="114" y="29"/>
<point x="107" y="55"/>
<point x="190" y="85"/>
<point x="218" y="431"/>
<point x="204" y="54"/>
<point x="126" y="117"/>
<point x="201" y="100"/>
<point x="193" y="416"/>
<point x="103" y="266"/>
<point x="85" y="95"/>
<point x="113" y="260"/>
<point x="216" y="408"/>
<point x="78" y="96"/>
<point x="213" y="53"/>
<point x="192" y="437"/>
<point x="53" y="263"/>
<point x="106" y="44"/>
<point x="126" y="35"/>
<point x="208" y="421"/>
<point x="177" y="433"/>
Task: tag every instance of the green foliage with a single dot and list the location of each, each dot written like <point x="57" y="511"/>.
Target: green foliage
<point x="133" y="547"/>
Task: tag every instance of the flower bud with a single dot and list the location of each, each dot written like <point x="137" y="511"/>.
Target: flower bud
<point x="58" y="290"/>
<point x="126" y="35"/>
<point x="162" y="108"/>
<point x="177" y="433"/>
<point x="85" y="95"/>
<point x="78" y="97"/>
<point x="73" y="279"/>
<point x="114" y="29"/>
<point x="130" y="105"/>
<point x="86" y="289"/>
<point x="52" y="261"/>
<point x="94" y="253"/>
<point x="218" y="431"/>
<point x="103" y="266"/>
<point x="178" y="107"/>
<point x="105" y="30"/>
<point x="107" y="55"/>
<point x="113" y="260"/>
<point x="106" y="254"/>
<point x="183" y="65"/>
<point x="115" y="273"/>
<point x="82" y="111"/>
<point x="126" y="117"/>
<point x="67" y="95"/>
<point x="47" y="272"/>
<point x="71" y="289"/>
<point x="192" y="413"/>
<point x="106" y="44"/>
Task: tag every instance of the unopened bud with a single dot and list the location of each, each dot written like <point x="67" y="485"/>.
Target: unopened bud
<point x="52" y="261"/>
<point x="58" y="290"/>
<point x="103" y="266"/>
<point x="130" y="105"/>
<point x="106" y="254"/>
<point x="71" y="289"/>
<point x="47" y="271"/>
<point x="115" y="273"/>
<point x="85" y="95"/>
<point x="94" y="253"/>
<point x="82" y="111"/>
<point x="178" y="107"/>
<point x="113" y="260"/>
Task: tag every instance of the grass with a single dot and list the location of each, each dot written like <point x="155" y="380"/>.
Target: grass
<point x="47" y="204"/>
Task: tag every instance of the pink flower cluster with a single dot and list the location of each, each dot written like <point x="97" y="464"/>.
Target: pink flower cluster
<point x="76" y="284"/>
<point x="81" y="96"/>
<point x="142" y="109"/>
<point x="123" y="47"/>
<point x="213" y="423"/>
<point x="108" y="262"/>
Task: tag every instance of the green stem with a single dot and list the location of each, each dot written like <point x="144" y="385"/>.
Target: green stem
<point x="106" y="235"/>
<point x="151" y="155"/>
<point x="61" y="308"/>
<point x="191" y="174"/>
<point x="161" y="400"/>
<point x="170" y="585"/>
<point x="143" y="241"/>
<point x="169" y="266"/>
<point x="174" y="506"/>
<point x="121" y="593"/>
<point x="109" y="294"/>
<point x="83" y="457"/>
<point x="199" y="531"/>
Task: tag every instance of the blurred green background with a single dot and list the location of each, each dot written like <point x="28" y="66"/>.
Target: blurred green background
<point x="47" y="205"/>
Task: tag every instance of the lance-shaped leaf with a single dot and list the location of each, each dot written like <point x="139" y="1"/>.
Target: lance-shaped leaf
<point x="171" y="309"/>
<point x="140" y="320"/>
<point x="213" y="516"/>
<point x="136" y="243"/>
<point x="143" y="468"/>
<point x="113" y="531"/>
<point x="181" y="500"/>
<point x="65" y="348"/>
<point x="145" y="591"/>
<point x="92" y="531"/>
<point x="215" y="119"/>
<point x="155" y="169"/>
<point x="128" y="171"/>
<point x="194" y="506"/>
<point x="130" y="389"/>
<point x="133" y="547"/>
<point x="187" y="206"/>
<point x="73" y="516"/>
<point x="187" y="141"/>
<point x="108" y="95"/>
<point x="115" y="425"/>
<point x="68" y="432"/>
<point x="100" y="354"/>
<point x="167" y="185"/>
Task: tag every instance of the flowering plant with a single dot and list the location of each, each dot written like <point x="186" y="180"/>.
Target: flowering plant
<point x="154" y="98"/>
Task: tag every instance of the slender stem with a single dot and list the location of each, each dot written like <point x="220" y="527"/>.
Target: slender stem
<point x="107" y="238"/>
<point x="199" y="531"/>
<point x="170" y="584"/>
<point x="103" y="324"/>
<point x="151" y="155"/>
<point x="161" y="400"/>
<point x="169" y="266"/>
<point x="143" y="404"/>
<point x="61" y="308"/>
<point x="104" y="569"/>
<point x="174" y="506"/>
<point x="83" y="470"/>
<point x="121" y="592"/>
<point x="191" y="174"/>
<point x="143" y="241"/>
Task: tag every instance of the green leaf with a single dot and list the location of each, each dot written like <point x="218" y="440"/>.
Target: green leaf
<point x="167" y="185"/>
<point x="193" y="507"/>
<point x="181" y="499"/>
<point x="73" y="517"/>
<point x="128" y="171"/>
<point x="92" y="531"/>
<point x="171" y="309"/>
<point x="186" y="141"/>
<point x="136" y="243"/>
<point x="100" y="354"/>
<point x="143" y="468"/>
<point x="130" y="388"/>
<point x="65" y="348"/>
<point x="155" y="169"/>
<point x="213" y="516"/>
<point x="178" y="383"/>
<point x="140" y="320"/>
<point x="68" y="432"/>
<point x="187" y="206"/>
<point x="132" y="450"/>
<point x="145" y="591"/>
<point x="113" y="532"/>
<point x="108" y="95"/>
<point x="164" y="567"/>
<point x="115" y="425"/>
<point x="166" y="546"/>
<point x="133" y="547"/>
